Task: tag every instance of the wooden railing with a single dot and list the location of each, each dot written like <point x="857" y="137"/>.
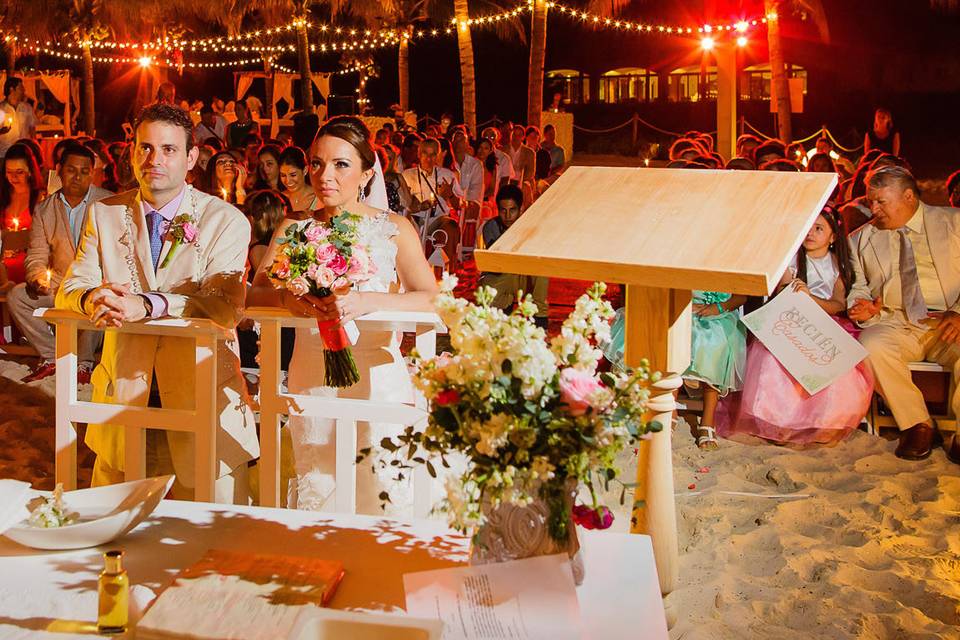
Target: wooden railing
<point x="274" y="403"/>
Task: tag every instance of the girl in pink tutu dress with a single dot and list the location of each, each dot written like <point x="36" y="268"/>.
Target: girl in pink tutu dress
<point x="772" y="405"/>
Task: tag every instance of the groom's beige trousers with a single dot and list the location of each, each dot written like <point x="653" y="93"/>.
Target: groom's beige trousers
<point x="892" y="346"/>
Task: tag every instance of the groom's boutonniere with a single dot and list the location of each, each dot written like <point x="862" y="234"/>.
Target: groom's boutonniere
<point x="182" y="229"/>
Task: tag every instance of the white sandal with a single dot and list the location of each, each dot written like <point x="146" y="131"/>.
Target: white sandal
<point x="706" y="436"/>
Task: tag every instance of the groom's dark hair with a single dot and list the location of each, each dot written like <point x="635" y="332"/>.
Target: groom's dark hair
<point x="159" y="112"/>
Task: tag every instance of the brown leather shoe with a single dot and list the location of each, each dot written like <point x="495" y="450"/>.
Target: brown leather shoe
<point x="953" y="449"/>
<point x="917" y="442"/>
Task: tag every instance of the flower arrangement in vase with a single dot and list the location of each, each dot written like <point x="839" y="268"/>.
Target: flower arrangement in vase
<point x="533" y="419"/>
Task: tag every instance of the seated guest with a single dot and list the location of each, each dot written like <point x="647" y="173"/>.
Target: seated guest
<point x="780" y="164"/>
<point x="435" y="194"/>
<point x="746" y="144"/>
<point x="768" y="151"/>
<point x="953" y="189"/>
<point x="505" y="168"/>
<point x="296" y="180"/>
<point x="906" y="296"/>
<point x="509" y="207"/>
<point x="398" y="196"/>
<point x="821" y="163"/>
<point x="557" y="154"/>
<point x="265" y="210"/>
<point x="242" y="127"/>
<point x="54" y="235"/>
<point x="21" y="187"/>
<point x="224" y="178"/>
<point x="740" y="164"/>
<point x="772" y="404"/>
<point x="471" y="171"/>
<point x="211" y="125"/>
<point x="268" y="168"/>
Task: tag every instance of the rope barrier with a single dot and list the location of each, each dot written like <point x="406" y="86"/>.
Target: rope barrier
<point x="636" y="118"/>
<point x="816" y="134"/>
<point x="610" y="130"/>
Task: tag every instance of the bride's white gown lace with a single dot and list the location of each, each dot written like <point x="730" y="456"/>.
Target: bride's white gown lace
<point x="383" y="376"/>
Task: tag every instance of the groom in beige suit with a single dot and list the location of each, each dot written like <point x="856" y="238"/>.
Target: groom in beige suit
<point x="907" y="298"/>
<point x="120" y="275"/>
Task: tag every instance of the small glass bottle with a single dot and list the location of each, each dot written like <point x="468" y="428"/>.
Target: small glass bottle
<point x="114" y="591"/>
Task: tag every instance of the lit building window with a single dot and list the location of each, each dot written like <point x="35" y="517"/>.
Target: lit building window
<point x="691" y="84"/>
<point x="755" y="82"/>
<point x="629" y="84"/>
<point x="573" y="85"/>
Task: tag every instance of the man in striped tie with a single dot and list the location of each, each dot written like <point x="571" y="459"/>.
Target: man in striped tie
<point x="164" y="250"/>
<point x="906" y="296"/>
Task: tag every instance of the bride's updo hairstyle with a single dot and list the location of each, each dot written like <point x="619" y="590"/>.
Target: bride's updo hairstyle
<point x="355" y="132"/>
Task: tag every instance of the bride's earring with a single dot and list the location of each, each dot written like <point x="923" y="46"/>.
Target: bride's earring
<point x="361" y="193"/>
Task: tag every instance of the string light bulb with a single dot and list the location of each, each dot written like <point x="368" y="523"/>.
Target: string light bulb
<point x="742" y="41"/>
<point x="707" y="44"/>
<point x="145" y="61"/>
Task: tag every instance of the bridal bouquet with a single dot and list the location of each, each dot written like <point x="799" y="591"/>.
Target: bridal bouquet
<point x="532" y="416"/>
<point x="318" y="259"/>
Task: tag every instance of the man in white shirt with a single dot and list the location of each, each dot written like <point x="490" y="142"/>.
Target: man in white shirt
<point x="906" y="296"/>
<point x="54" y="235"/>
<point x="16" y="117"/>
<point x="471" y="171"/>
<point x="435" y="192"/>
<point x="211" y="125"/>
<point x="505" y="172"/>
<point x="523" y="157"/>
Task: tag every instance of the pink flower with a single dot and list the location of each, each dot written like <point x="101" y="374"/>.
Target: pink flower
<point x="576" y="389"/>
<point x="339" y="264"/>
<point x="316" y="232"/>
<point x="299" y="286"/>
<point x="189" y="232"/>
<point x="361" y="267"/>
<point x="324" y="276"/>
<point x="590" y="518"/>
<point x="325" y="253"/>
<point x="447" y="397"/>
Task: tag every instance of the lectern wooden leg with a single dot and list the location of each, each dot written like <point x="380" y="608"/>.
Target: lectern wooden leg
<point x="658" y="328"/>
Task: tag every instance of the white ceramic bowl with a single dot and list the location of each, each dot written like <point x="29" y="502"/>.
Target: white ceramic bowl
<point x="106" y="513"/>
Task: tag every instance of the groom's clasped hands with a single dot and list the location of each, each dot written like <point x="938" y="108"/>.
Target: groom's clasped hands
<point x="111" y="304"/>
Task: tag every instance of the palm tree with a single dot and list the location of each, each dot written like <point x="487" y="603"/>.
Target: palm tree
<point x="468" y="80"/>
<point x="778" y="68"/>
<point x="538" y="49"/>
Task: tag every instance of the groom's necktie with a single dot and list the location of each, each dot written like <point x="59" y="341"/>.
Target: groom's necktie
<point x="913" y="303"/>
<point x="155" y="226"/>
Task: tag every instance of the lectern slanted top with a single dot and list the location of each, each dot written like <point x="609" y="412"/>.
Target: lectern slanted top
<point x="663" y="233"/>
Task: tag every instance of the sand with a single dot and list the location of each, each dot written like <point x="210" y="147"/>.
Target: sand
<point x="867" y="546"/>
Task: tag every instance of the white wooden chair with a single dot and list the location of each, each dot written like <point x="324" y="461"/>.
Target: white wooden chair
<point x="202" y="421"/>
<point x="947" y="422"/>
<point x="10" y="346"/>
<point x="275" y="402"/>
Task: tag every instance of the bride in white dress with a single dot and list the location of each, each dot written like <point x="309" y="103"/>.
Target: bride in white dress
<point x="341" y="165"/>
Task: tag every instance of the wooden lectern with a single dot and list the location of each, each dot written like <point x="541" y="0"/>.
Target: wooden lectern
<point x="663" y="233"/>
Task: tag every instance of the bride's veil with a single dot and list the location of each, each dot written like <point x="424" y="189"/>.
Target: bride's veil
<point x="378" y="188"/>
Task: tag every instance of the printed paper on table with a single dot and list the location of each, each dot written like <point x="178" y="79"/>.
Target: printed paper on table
<point x="525" y="599"/>
<point x="810" y="345"/>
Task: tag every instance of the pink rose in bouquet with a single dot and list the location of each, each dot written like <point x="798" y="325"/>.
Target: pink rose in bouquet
<point x="576" y="390"/>
<point x="338" y="264"/>
<point x="326" y="253"/>
<point x="590" y="518"/>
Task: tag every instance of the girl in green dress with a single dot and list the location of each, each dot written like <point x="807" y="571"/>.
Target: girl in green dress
<point x="717" y="354"/>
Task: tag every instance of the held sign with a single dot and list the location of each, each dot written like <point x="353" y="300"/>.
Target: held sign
<point x="810" y="345"/>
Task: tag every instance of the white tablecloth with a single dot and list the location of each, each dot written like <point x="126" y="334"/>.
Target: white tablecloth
<point x="54" y="594"/>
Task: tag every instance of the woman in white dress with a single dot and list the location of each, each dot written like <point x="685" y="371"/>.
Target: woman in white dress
<point x="342" y="173"/>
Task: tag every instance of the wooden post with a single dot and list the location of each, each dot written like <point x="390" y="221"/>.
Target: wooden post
<point x="205" y="406"/>
<point x="726" y="57"/>
<point x="658" y="328"/>
<point x="269" y="413"/>
<point x="66" y="381"/>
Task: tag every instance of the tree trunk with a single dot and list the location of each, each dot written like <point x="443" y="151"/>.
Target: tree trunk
<point x="778" y="71"/>
<point x="403" y="71"/>
<point x="11" y="58"/>
<point x="538" y="49"/>
<point x="268" y="94"/>
<point x="306" y="77"/>
<point x="468" y="80"/>
<point x="89" y="122"/>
